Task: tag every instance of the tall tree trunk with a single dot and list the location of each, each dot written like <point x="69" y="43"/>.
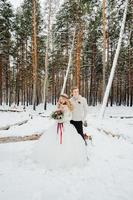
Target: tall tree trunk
<point x="69" y="63"/>
<point x="0" y="79"/>
<point x="79" y="38"/>
<point x="34" y="53"/>
<point x="114" y="63"/>
<point x="104" y="56"/>
<point x="46" y="58"/>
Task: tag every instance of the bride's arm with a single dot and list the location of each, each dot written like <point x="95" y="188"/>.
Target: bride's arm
<point x="69" y="115"/>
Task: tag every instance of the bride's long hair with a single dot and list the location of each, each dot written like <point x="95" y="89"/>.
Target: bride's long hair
<point x="66" y="102"/>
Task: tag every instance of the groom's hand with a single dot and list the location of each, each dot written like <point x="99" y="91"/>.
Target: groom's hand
<point x="85" y="123"/>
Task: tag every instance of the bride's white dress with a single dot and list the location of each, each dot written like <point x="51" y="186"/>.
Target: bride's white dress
<point x="49" y="153"/>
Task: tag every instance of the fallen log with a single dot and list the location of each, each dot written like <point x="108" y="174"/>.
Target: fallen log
<point x="122" y="117"/>
<point x="44" y="116"/>
<point x="16" y="124"/>
<point x="109" y="133"/>
<point x="10" y="110"/>
<point x="115" y="135"/>
<point x="10" y="139"/>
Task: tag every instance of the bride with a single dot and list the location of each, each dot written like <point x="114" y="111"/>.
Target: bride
<point x="61" y="146"/>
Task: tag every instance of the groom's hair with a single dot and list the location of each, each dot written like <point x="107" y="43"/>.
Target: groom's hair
<point x="74" y="88"/>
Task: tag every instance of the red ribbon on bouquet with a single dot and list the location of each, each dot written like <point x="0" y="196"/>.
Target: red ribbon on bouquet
<point x="60" y="127"/>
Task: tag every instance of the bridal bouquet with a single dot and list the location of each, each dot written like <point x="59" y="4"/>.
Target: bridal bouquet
<point x="57" y="115"/>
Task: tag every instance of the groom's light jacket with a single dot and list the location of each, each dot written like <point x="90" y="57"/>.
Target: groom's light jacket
<point x="80" y="108"/>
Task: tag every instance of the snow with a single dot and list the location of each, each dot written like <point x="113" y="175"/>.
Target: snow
<point x="107" y="175"/>
<point x="118" y="121"/>
<point x="36" y="123"/>
<point x="7" y="118"/>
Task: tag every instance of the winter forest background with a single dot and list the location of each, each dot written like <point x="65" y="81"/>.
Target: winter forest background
<point x="39" y="41"/>
<point x="35" y="46"/>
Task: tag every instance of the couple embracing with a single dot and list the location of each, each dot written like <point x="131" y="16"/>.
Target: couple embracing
<point x="63" y="144"/>
<point x="78" y="107"/>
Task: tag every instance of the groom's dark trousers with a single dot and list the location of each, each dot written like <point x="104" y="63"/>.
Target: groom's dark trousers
<point x="79" y="127"/>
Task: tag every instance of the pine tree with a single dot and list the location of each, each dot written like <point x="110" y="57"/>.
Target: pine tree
<point x="6" y="21"/>
<point x="23" y="53"/>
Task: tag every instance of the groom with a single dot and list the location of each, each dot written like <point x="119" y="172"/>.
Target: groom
<point x="79" y="113"/>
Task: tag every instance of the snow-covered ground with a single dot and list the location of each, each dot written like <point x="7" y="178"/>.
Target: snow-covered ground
<point x="36" y="123"/>
<point x="107" y="176"/>
<point x="117" y="120"/>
